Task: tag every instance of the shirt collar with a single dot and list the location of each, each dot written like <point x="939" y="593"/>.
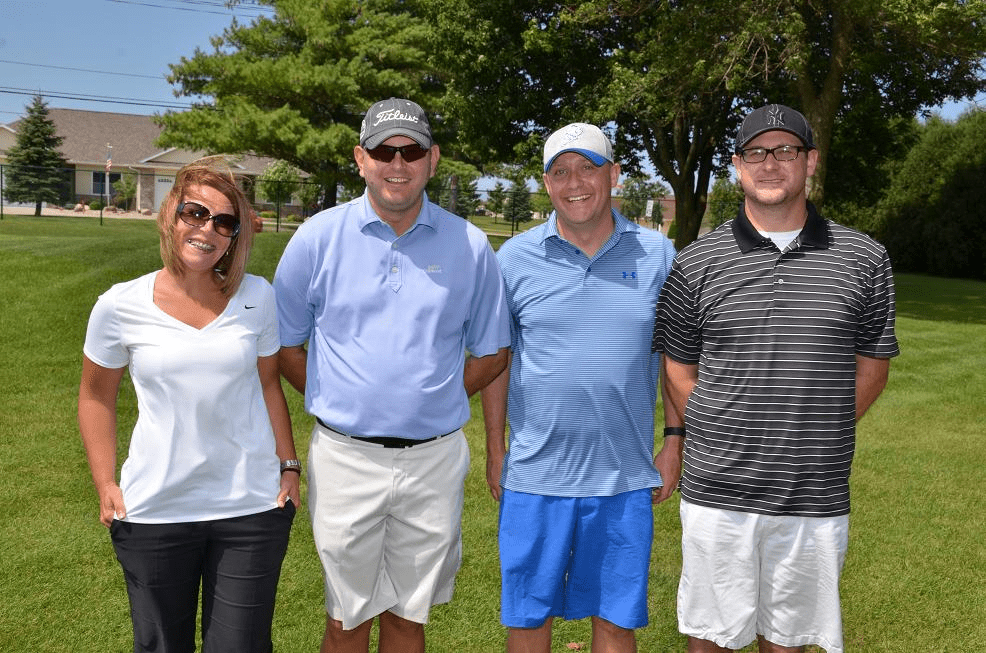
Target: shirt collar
<point x="425" y="217"/>
<point x="815" y="233"/>
<point x="620" y="226"/>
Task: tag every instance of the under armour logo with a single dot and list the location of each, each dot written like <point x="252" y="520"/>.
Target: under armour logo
<point x="629" y="275"/>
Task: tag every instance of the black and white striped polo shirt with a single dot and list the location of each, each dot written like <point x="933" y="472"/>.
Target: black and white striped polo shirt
<point x="771" y="422"/>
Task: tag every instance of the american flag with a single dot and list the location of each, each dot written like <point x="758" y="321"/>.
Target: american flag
<point x="109" y="163"/>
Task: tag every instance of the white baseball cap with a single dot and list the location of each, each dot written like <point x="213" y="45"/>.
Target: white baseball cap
<point x="585" y="139"/>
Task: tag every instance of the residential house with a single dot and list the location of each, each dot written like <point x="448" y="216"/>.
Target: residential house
<point x="95" y="140"/>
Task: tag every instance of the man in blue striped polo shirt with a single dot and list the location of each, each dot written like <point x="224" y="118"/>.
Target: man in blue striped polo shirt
<point x="777" y="330"/>
<point x="577" y="484"/>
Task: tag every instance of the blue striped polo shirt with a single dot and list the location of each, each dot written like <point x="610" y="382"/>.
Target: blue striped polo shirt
<point x="583" y="381"/>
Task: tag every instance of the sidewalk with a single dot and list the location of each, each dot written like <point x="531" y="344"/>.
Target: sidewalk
<point x="269" y="225"/>
<point x="54" y="211"/>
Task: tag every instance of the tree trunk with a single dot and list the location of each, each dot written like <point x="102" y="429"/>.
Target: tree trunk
<point x="689" y="209"/>
<point x="822" y="105"/>
<point x="330" y="188"/>
<point x="683" y="153"/>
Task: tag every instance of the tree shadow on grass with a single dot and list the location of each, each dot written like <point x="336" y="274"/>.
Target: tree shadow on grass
<point x="941" y="300"/>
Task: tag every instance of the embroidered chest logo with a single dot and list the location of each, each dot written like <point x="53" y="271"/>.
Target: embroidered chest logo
<point x="629" y="275"/>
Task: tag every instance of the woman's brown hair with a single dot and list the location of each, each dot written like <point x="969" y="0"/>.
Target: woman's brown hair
<point x="214" y="172"/>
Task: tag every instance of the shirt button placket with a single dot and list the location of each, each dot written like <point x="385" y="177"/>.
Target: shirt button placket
<point x="394" y="275"/>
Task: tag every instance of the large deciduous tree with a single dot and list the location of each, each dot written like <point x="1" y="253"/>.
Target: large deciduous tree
<point x="666" y="74"/>
<point x="294" y="86"/>
<point x="860" y="61"/>
<point x="676" y="77"/>
<point x="36" y="170"/>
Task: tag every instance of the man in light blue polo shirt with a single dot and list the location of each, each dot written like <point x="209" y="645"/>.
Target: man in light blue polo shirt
<point x="389" y="291"/>
<point x="577" y="484"/>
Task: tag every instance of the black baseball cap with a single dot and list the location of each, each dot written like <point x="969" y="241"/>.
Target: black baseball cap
<point x="774" y="117"/>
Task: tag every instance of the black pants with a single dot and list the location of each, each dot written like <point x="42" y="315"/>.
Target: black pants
<point x="237" y="561"/>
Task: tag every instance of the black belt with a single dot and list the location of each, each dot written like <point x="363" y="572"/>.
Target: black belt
<point x="386" y="441"/>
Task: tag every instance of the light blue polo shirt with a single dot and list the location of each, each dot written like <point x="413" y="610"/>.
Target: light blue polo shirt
<point x="388" y="320"/>
<point x="583" y="381"/>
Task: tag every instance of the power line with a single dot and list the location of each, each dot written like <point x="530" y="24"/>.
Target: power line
<point x="252" y="7"/>
<point x="95" y="98"/>
<point x="82" y="70"/>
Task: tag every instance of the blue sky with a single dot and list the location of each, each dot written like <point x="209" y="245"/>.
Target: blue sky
<point x="99" y="49"/>
<point x="76" y="52"/>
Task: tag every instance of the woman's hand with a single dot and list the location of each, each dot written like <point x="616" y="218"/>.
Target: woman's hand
<point x="111" y="504"/>
<point x="290" y="488"/>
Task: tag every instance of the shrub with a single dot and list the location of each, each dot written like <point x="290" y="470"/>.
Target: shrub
<point x="930" y="218"/>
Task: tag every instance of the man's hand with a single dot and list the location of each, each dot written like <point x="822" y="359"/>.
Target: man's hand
<point x="668" y="463"/>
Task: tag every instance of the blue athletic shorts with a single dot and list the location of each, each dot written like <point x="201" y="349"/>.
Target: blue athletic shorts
<point x="575" y="557"/>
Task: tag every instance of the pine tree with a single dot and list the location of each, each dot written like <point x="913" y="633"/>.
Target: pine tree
<point x="36" y="169"/>
<point x="497" y="200"/>
<point x="518" y="204"/>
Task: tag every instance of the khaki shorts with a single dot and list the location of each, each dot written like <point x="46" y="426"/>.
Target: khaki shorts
<point x="745" y="574"/>
<point x="386" y="523"/>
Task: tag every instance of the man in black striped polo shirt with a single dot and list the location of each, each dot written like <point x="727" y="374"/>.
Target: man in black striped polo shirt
<point x="777" y="330"/>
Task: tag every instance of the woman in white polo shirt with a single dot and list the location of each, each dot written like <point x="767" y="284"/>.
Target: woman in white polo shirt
<point x="210" y="484"/>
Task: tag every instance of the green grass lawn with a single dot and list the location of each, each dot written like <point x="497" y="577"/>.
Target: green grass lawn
<point x="915" y="579"/>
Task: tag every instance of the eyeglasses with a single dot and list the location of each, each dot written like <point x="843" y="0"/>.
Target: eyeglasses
<point x="780" y="153"/>
<point x="196" y="215"/>
<point x="385" y="153"/>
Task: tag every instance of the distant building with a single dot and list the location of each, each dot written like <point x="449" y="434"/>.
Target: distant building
<point x="90" y="137"/>
<point x="666" y="205"/>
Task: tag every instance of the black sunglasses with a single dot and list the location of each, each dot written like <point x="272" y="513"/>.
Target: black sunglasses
<point x="385" y="153"/>
<point x="196" y="215"/>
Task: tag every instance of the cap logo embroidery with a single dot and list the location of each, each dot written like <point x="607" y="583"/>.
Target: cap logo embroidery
<point x="775" y="116"/>
<point x="394" y="114"/>
<point x="572" y="134"/>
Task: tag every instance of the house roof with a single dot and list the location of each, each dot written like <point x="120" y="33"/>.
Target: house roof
<point x="132" y="137"/>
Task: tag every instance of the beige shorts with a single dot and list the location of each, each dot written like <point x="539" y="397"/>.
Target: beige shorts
<point x="386" y="523"/>
<point x="745" y="574"/>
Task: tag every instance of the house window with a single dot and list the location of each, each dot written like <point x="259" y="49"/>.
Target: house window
<point x="99" y="182"/>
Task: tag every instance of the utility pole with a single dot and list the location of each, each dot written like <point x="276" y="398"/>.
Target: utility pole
<point x="106" y="181"/>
